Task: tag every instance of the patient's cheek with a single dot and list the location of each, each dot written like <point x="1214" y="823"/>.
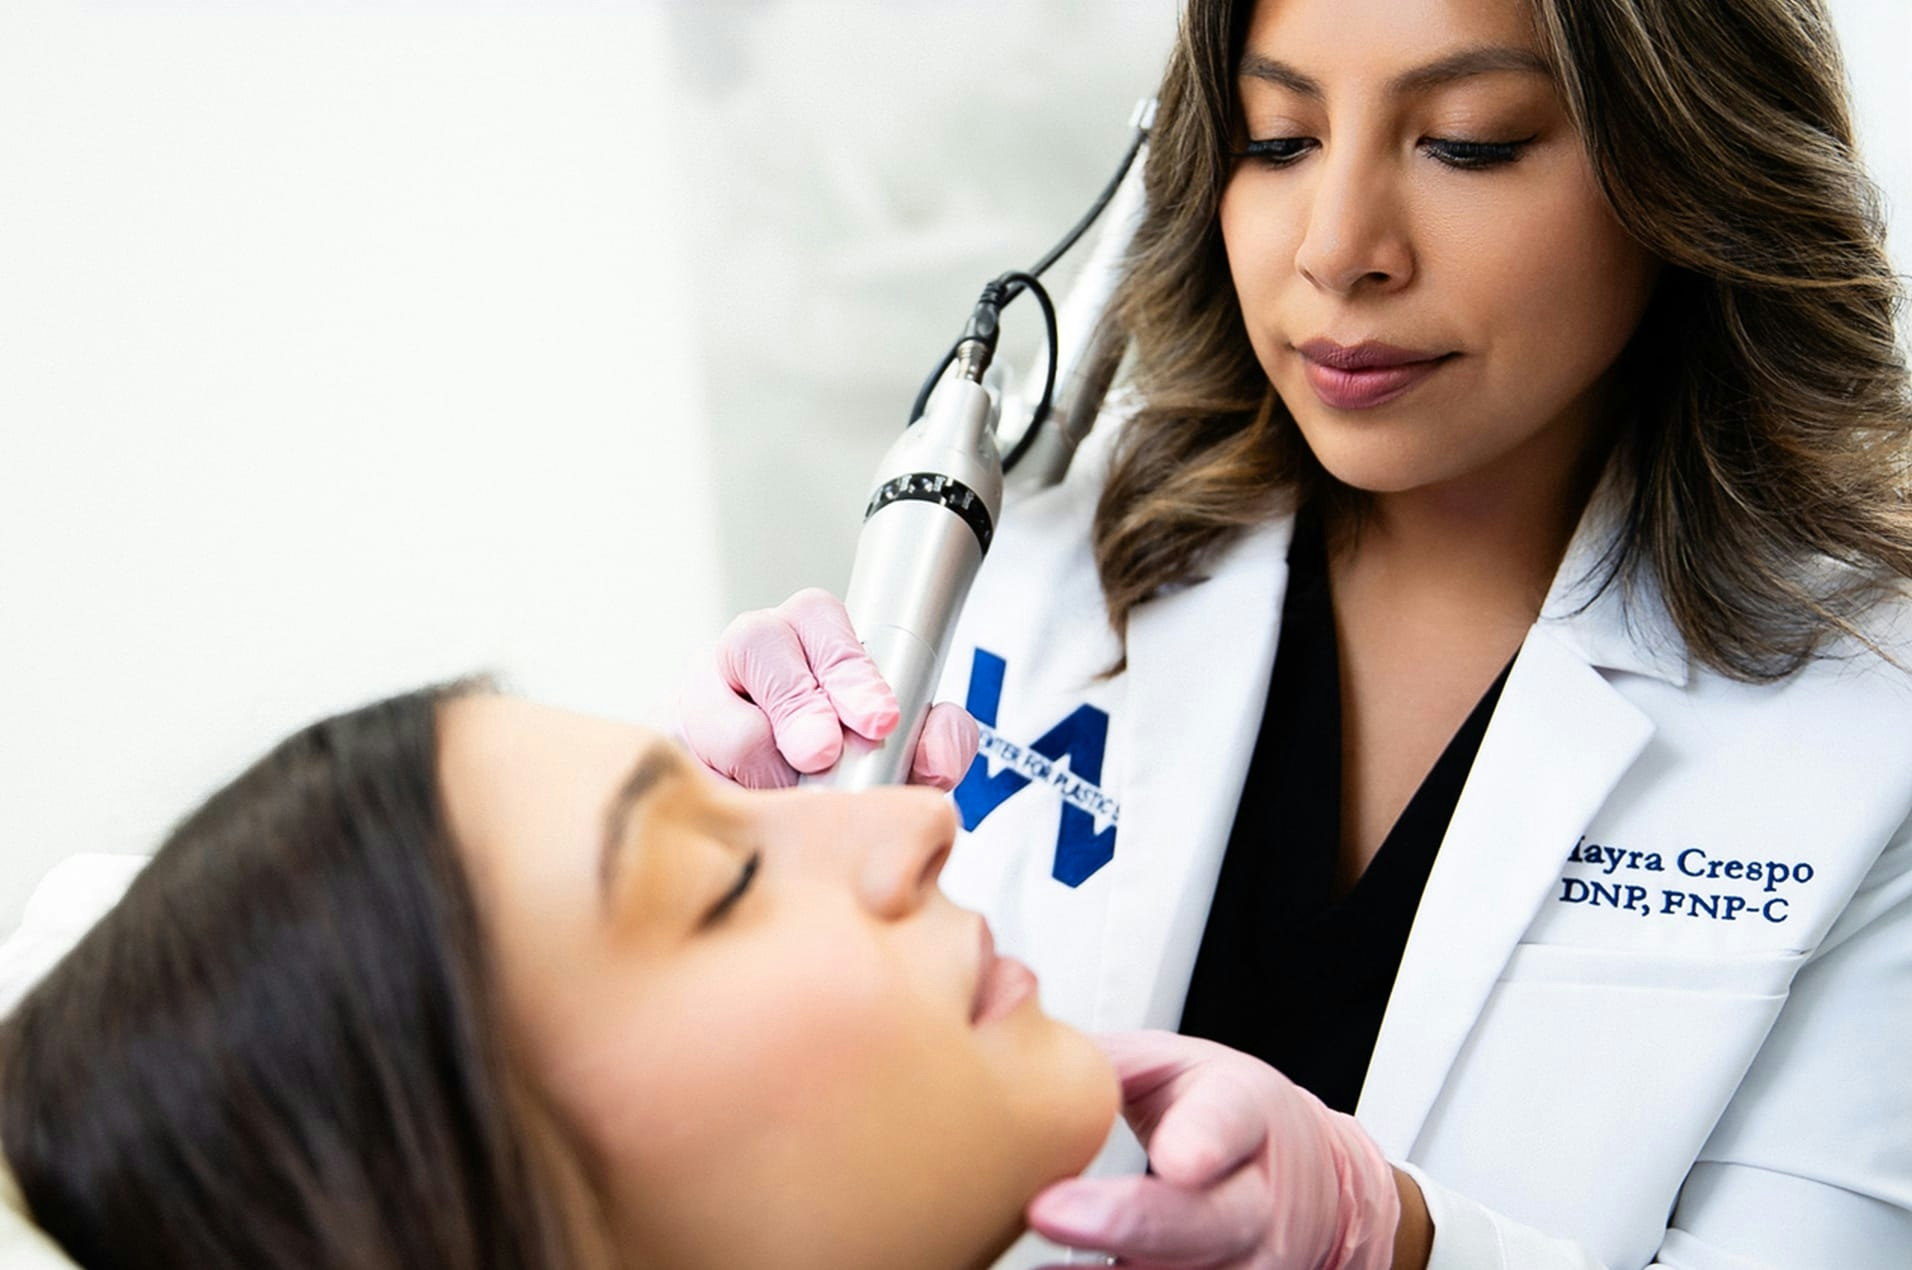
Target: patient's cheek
<point x="805" y="1069"/>
<point x="781" y="1100"/>
<point x="735" y="1039"/>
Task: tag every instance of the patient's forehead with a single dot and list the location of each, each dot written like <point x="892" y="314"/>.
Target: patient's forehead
<point x="525" y="788"/>
<point x="501" y="734"/>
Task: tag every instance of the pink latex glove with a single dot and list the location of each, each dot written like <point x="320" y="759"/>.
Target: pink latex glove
<point x="783" y="685"/>
<point x="1252" y="1172"/>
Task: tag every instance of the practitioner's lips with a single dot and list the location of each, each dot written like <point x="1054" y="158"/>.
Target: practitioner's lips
<point x="1360" y="376"/>
<point x="1002" y="983"/>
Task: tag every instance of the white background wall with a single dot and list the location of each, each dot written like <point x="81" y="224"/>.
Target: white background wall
<point x="341" y="349"/>
<point x="1877" y="38"/>
<point x="346" y="344"/>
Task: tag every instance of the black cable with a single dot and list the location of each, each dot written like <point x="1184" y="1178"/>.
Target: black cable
<point x="1095" y="209"/>
<point x="929" y="385"/>
<point x="1028" y="436"/>
<point x="983" y="327"/>
<point x="1000" y="291"/>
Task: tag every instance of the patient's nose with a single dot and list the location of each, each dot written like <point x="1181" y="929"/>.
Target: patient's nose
<point x="904" y="836"/>
<point x="887" y="845"/>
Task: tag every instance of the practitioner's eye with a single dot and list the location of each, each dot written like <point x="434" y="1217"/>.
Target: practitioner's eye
<point x="1275" y="152"/>
<point x="1456" y="153"/>
<point x="736" y="892"/>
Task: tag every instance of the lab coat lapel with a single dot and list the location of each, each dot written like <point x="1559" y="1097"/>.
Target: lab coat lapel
<point x="1561" y="738"/>
<point x="1198" y="666"/>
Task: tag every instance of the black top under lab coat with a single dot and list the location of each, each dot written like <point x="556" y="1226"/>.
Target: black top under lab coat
<point x="1286" y="972"/>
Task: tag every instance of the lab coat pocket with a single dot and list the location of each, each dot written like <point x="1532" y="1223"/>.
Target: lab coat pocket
<point x="1605" y="1071"/>
<point x="1735" y="974"/>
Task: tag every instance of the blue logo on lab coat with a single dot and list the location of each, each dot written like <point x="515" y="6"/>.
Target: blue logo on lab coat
<point x="1079" y="739"/>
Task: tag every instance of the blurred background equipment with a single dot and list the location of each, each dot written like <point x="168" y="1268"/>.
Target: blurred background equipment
<point x="859" y="168"/>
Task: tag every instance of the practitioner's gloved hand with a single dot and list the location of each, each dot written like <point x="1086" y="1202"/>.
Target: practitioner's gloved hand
<point x="784" y="683"/>
<point x="1251" y="1172"/>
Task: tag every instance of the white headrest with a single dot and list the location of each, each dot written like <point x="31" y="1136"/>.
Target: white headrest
<point x="23" y="1245"/>
<point x="74" y="894"/>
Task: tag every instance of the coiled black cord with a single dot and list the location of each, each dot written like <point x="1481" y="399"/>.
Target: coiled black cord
<point x="1028" y="436"/>
<point x="984" y="319"/>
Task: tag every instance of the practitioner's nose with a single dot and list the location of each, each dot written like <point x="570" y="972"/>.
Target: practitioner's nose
<point x="1356" y="236"/>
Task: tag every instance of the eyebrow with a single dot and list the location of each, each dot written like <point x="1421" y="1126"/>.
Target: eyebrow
<point x="656" y="765"/>
<point x="1482" y="59"/>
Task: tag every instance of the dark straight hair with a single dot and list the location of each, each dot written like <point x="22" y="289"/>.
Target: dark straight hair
<point x="283" y="1047"/>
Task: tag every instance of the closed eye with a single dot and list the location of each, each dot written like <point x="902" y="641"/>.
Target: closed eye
<point x="1279" y="152"/>
<point x="1456" y="153"/>
<point x="1276" y="152"/>
<point x="736" y="892"/>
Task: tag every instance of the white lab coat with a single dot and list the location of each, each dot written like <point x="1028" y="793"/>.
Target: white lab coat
<point x="1694" y="1071"/>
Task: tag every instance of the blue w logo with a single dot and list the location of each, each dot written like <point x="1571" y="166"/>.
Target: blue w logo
<point x="1079" y="739"/>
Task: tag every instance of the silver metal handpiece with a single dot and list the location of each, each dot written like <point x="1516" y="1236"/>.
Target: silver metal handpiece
<point x="939" y="489"/>
<point x="937" y="495"/>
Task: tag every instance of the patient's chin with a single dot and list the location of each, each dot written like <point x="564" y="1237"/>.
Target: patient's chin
<point x="1071" y="1105"/>
<point x="1100" y="1094"/>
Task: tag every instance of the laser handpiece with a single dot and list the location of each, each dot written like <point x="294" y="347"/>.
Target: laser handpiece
<point x="939" y="488"/>
<point x="925" y="532"/>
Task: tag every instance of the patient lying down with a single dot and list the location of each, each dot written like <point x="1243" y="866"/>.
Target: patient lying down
<point x="459" y="981"/>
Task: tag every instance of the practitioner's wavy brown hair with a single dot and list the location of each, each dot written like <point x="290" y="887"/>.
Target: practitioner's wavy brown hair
<point x="284" y="1050"/>
<point x="1768" y="405"/>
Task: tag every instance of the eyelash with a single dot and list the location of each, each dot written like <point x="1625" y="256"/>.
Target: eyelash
<point x="735" y="893"/>
<point x="1463" y="155"/>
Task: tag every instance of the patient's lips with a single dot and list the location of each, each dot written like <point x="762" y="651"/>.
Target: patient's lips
<point x="1002" y="983"/>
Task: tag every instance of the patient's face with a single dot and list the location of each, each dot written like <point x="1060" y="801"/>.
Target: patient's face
<point x="757" y="1007"/>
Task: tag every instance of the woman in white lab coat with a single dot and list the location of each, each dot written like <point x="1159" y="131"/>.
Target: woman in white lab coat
<point x="1472" y="678"/>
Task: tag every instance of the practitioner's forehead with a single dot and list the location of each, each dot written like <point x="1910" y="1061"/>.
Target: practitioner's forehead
<point x="1317" y="49"/>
